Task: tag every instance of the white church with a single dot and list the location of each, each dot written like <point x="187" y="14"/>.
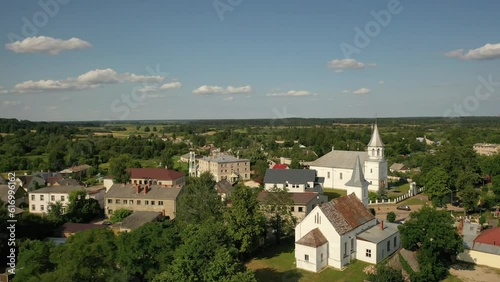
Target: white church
<point x="336" y="166"/>
<point x="342" y="230"/>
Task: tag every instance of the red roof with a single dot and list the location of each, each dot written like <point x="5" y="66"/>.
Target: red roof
<point x="489" y="236"/>
<point x="280" y="166"/>
<point x="154" y="173"/>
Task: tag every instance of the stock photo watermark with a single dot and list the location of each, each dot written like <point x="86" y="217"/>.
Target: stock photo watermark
<point x="30" y="26"/>
<point x="128" y="102"/>
<point x="363" y="37"/>
<point x="11" y="224"/>
<point x="223" y="6"/>
<point x="483" y="91"/>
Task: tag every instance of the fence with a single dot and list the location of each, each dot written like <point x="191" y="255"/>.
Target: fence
<point x="411" y="193"/>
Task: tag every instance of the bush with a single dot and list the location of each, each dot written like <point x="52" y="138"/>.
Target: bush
<point x="391" y="216"/>
<point x="119" y="215"/>
<point x="386" y="274"/>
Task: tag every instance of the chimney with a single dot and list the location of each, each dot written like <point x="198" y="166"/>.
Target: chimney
<point x="381" y="225"/>
<point x="137" y="188"/>
<point x="146" y="189"/>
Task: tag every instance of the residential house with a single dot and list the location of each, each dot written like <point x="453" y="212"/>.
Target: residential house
<point x="280" y="166"/>
<point x="224" y="189"/>
<point x="20" y="196"/>
<point x="336" y="166"/>
<point x="338" y="232"/>
<point x="156" y="176"/>
<point x="222" y="167"/>
<point x="294" y="180"/>
<point x="138" y="219"/>
<point x="30" y="182"/>
<point x="397" y="167"/>
<point x="39" y="200"/>
<point x="486" y="149"/>
<point x="137" y="197"/>
<point x="484" y="249"/>
<point x="66" y="182"/>
<point x="97" y="193"/>
<point x="2" y="180"/>
<point x="77" y="171"/>
<point x="303" y="202"/>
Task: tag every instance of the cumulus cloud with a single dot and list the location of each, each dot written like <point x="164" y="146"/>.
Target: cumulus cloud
<point x="230" y="98"/>
<point x="339" y="65"/>
<point x="91" y="79"/>
<point x="45" y="44"/>
<point x="381" y="82"/>
<point x="291" y="93"/>
<point x="3" y="90"/>
<point x="219" y="90"/>
<point x="362" y="90"/>
<point x="166" y="86"/>
<point x="486" y="52"/>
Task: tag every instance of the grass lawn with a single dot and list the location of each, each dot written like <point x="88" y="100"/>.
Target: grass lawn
<point x="396" y="191"/>
<point x="334" y="193"/>
<point x="180" y="166"/>
<point x="277" y="263"/>
<point x="420" y="199"/>
<point x="452" y="278"/>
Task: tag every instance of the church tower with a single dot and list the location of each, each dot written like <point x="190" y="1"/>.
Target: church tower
<point x="192" y="165"/>
<point x="376" y="164"/>
<point x="358" y="184"/>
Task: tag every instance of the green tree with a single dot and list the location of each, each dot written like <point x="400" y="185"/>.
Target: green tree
<point x="119" y="215"/>
<point x="118" y="168"/>
<point x="146" y="129"/>
<point x="34" y="260"/>
<point x="148" y="250"/>
<point x="470" y="197"/>
<point x="81" y="209"/>
<point x="244" y="220"/>
<point x="55" y="212"/>
<point x="277" y="205"/>
<point x="432" y="233"/>
<point x="391" y="216"/>
<point x="436" y="182"/>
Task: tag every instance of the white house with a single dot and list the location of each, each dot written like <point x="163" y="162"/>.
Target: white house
<point x="335" y="233"/>
<point x="40" y="199"/>
<point x="294" y="180"/>
<point x="336" y="166"/>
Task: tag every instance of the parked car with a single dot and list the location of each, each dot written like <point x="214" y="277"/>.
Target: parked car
<point x="405" y="208"/>
<point x="106" y="223"/>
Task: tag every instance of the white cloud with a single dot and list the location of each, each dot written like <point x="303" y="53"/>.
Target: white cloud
<point x="486" y="52"/>
<point x="11" y="103"/>
<point x="210" y="90"/>
<point x="361" y="91"/>
<point x="230" y="98"/>
<point x="381" y="82"/>
<point x="291" y="93"/>
<point x="91" y="79"/>
<point x="166" y="86"/>
<point x="45" y="44"/>
<point x="3" y="91"/>
<point x="343" y="64"/>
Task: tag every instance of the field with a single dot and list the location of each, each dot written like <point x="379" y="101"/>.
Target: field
<point x="334" y="193"/>
<point x="277" y="263"/>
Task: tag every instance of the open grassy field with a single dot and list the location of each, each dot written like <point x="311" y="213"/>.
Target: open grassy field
<point x="334" y="193"/>
<point x="277" y="263"/>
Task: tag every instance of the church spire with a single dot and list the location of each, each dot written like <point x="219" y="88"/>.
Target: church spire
<point x="357" y="178"/>
<point x="376" y="141"/>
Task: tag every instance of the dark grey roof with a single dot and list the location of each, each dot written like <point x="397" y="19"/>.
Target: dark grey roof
<point x="138" y="219"/>
<point x="224" y="186"/>
<point x="68" y="181"/>
<point x="154" y="192"/>
<point x="224" y="159"/>
<point x="313" y="238"/>
<point x="293" y="176"/>
<point x="4" y="193"/>
<point x="66" y="189"/>
<point x="375" y="141"/>
<point x="2" y="180"/>
<point x="357" y="178"/>
<point x="340" y="159"/>
<point x="376" y="235"/>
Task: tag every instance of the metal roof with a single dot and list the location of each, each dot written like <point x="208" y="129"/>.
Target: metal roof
<point x="293" y="176"/>
<point x="376" y="235"/>
<point x="357" y="178"/>
<point x="313" y="238"/>
<point x="340" y="159"/>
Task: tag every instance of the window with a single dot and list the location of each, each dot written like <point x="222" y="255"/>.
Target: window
<point x="152" y="203"/>
<point x="52" y="198"/>
<point x="110" y="201"/>
<point x="345" y="248"/>
<point x="368" y="253"/>
<point x="388" y="246"/>
<point x="160" y="203"/>
<point x="328" y="175"/>
<point x="321" y="256"/>
<point x="306" y="257"/>
<point x="41" y="197"/>
<point x="352" y="245"/>
<point x="301" y="209"/>
<point x="62" y="198"/>
<point x="32" y="197"/>
<point x="117" y="201"/>
<point x="33" y="207"/>
<point x="371" y="170"/>
<point x="146" y="202"/>
<point x="131" y="202"/>
<point x="42" y="208"/>
<point x="138" y="202"/>
<point x="125" y="202"/>
<point x="292" y="209"/>
<point x="341" y="176"/>
<point x="395" y="240"/>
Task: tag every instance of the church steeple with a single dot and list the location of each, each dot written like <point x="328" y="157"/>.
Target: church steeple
<point x="358" y="184"/>
<point x="376" y="146"/>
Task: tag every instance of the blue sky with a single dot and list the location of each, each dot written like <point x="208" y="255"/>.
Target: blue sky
<point x="230" y="59"/>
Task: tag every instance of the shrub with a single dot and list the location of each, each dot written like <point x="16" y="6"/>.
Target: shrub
<point x="391" y="216"/>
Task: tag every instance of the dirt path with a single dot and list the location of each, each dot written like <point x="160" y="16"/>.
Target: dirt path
<point x="475" y="273"/>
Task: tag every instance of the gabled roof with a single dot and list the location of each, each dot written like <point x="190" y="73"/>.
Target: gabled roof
<point x="280" y="166"/>
<point x="4" y="193"/>
<point x="77" y="168"/>
<point x="357" y="178"/>
<point x="346" y="213"/>
<point x="313" y="238"/>
<point x="340" y="159"/>
<point x="156" y="192"/>
<point x="154" y="173"/>
<point x="488" y="241"/>
<point x="138" y="219"/>
<point x="223" y="186"/>
<point x="2" y="180"/>
<point x="224" y="159"/>
<point x="66" y="189"/>
<point x="375" y="141"/>
<point x="293" y="176"/>
<point x="68" y="181"/>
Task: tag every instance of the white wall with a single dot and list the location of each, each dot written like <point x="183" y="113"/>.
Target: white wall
<point x="315" y="263"/>
<point x="361" y="248"/>
<point x="46" y="201"/>
<point x="108" y="183"/>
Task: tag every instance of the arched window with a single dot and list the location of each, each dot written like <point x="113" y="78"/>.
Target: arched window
<point x="373" y="152"/>
<point x="378" y="152"/>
